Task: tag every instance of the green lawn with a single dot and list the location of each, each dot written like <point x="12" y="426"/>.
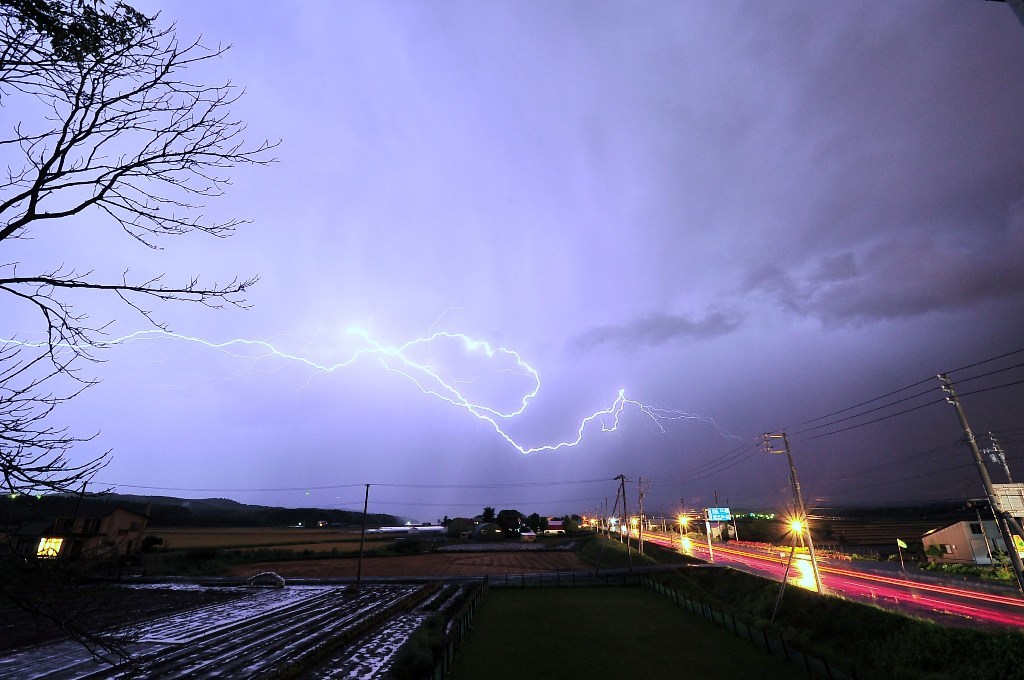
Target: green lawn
<point x="597" y="633"/>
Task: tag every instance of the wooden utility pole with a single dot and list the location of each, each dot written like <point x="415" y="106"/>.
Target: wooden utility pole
<point x="640" y="502"/>
<point x="625" y="519"/>
<point x="362" y="537"/>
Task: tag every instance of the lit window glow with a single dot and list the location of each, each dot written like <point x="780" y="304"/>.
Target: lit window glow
<point x="49" y="547"/>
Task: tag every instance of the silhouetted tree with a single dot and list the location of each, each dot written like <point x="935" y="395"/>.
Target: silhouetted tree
<point x="109" y="129"/>
<point x="510" y="522"/>
<point x="103" y="127"/>
<point x="488" y="515"/>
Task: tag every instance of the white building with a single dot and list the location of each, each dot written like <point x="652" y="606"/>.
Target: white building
<point x="966" y="542"/>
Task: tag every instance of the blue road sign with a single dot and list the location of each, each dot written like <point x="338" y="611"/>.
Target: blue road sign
<point x="719" y="514"/>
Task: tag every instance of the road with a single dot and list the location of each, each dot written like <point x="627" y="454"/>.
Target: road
<point x="940" y="599"/>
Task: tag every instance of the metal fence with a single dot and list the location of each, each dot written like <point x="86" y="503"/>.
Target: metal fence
<point x="770" y="643"/>
<point x="457" y="630"/>
<point x="562" y="580"/>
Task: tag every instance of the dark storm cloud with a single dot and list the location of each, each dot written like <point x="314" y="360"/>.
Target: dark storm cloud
<point x="898" y="278"/>
<point x="908" y="200"/>
<point x="657" y="329"/>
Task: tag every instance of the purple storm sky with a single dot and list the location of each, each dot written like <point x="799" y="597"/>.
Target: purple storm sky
<point x="754" y="213"/>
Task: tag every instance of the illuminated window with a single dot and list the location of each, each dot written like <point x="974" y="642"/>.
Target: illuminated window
<point x="49" y="547"/>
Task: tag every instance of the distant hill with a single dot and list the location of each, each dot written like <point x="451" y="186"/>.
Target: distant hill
<point x="168" y="511"/>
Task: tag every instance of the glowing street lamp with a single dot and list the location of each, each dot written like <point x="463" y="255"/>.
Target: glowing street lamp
<point x="683" y="522"/>
<point x="798" y="525"/>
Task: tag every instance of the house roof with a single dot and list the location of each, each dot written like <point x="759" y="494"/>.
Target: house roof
<point x="34" y="528"/>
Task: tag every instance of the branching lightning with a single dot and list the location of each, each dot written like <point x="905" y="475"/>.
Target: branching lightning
<point x="399" y="360"/>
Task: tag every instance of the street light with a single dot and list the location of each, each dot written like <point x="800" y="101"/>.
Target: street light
<point x="683" y="521"/>
<point x="797" y="497"/>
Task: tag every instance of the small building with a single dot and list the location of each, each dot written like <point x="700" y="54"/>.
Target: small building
<point x="965" y="542"/>
<point x="488" y="531"/>
<point x="111" y="536"/>
<point x="526" y="535"/>
<point x="555" y="526"/>
<point x="460" y="527"/>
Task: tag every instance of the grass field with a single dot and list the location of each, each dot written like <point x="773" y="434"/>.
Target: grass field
<point x="241" y="538"/>
<point x="598" y="633"/>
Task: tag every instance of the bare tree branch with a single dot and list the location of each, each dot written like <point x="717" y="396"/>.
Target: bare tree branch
<point x="108" y="128"/>
<point x="123" y="134"/>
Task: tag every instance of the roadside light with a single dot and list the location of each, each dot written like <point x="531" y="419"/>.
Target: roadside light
<point x="799" y="525"/>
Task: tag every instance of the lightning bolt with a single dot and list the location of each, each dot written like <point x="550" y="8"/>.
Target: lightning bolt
<point x="398" y="359"/>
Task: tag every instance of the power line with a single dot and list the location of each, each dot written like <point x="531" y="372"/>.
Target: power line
<point x="869" y="422"/>
<point x="910" y="386"/>
<point x="985" y="361"/>
<point x="995" y="387"/>
<point x="863" y="403"/>
<point x="864" y="413"/>
<point x="332" y="487"/>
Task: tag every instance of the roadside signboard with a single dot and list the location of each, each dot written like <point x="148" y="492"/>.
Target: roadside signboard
<point x="719" y="514"/>
<point x="1011" y="498"/>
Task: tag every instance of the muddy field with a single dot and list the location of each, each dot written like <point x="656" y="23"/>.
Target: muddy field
<point x="318" y="540"/>
<point x="428" y="565"/>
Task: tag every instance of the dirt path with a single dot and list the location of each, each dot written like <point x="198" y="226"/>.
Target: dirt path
<point x="431" y="565"/>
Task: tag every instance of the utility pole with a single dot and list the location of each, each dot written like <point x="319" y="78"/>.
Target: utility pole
<point x="735" y="531"/>
<point x="997" y="455"/>
<point x="615" y="515"/>
<point x="797" y="497"/>
<point x="625" y="519"/>
<point x="640" y="502"/>
<point x="707" y="528"/>
<point x="362" y="537"/>
<point x="984" y="534"/>
<point x="1003" y="519"/>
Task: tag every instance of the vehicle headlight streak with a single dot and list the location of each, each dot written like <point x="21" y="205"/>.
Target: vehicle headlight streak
<point x="397" y="359"/>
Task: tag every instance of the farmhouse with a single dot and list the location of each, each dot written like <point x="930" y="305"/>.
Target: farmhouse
<point x="115" y="534"/>
<point x="460" y="527"/>
<point x="965" y="542"/>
